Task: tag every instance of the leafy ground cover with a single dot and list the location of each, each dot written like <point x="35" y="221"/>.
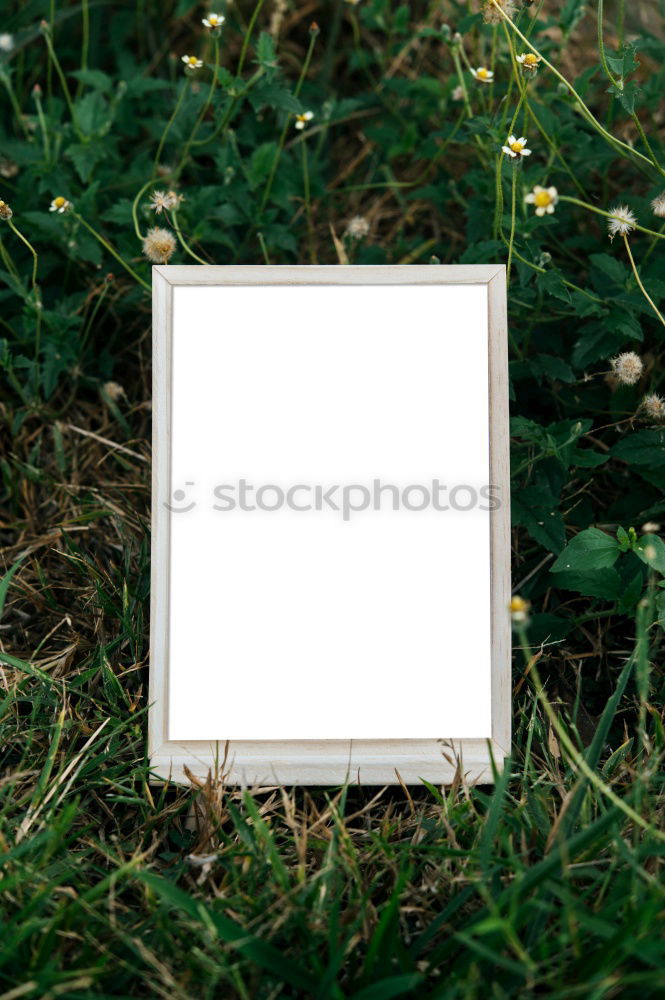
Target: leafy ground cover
<point x="367" y="132"/>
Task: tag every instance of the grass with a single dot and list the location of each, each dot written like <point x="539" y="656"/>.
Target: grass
<point x="548" y="883"/>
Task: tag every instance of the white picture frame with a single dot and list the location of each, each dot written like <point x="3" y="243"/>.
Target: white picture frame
<point x="329" y="761"/>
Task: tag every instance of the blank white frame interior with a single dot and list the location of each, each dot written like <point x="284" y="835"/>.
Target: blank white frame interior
<point x="330" y="526"/>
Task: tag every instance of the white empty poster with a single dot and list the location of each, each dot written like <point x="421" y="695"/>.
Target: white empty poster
<point x="330" y="514"/>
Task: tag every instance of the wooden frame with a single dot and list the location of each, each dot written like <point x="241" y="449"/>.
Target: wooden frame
<point x="331" y="762"/>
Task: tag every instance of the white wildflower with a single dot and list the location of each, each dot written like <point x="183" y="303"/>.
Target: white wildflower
<point x="545" y="199"/>
<point x="516" y="148"/>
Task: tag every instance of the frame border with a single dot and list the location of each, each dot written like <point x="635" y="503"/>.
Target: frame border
<point x="255" y="763"/>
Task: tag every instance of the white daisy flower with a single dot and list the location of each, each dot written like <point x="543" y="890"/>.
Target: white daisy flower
<point x="191" y="62"/>
<point x="458" y="93"/>
<point x="529" y="61"/>
<point x="482" y="74"/>
<point x="60" y="205"/>
<point x="516" y="148"/>
<point x="213" y="21"/>
<point x="622" y="221"/>
<point x="301" y="120"/>
<point x="6" y="42"/>
<point x="544" y="199"/>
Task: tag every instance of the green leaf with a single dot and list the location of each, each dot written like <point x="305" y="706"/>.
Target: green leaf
<point x="651" y="550"/>
<point x="85" y="157"/>
<point x="553" y="367"/>
<point x="591" y="549"/>
<point x="266" y="55"/>
<point x="605" y="583"/>
<point x="642" y="448"/>
<point x="94" y="78"/>
<point x="552" y="284"/>
<point x="610" y="267"/>
<point x="91" y="113"/>
<point x="535" y="508"/>
<point x="261" y="162"/>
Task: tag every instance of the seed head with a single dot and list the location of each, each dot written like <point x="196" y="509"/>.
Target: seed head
<point x="114" y="391"/>
<point x="493" y="16"/>
<point x="8" y="168"/>
<point x="357" y="228"/>
<point x="627" y="367"/>
<point x="159" y="245"/>
<point x="653" y="406"/>
<point x="658" y="205"/>
<point x="622" y="222"/>
<point x="5" y="211"/>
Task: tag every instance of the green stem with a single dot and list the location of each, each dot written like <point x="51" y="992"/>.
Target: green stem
<point x="264" y="248"/>
<point x="42" y="124"/>
<point x="282" y="138"/>
<point x="639" y="281"/>
<point x="202" y="113"/>
<point x="181" y="239"/>
<point x="135" y="205"/>
<point x="248" y="35"/>
<point x="14" y="103"/>
<point x="85" y="43"/>
<point x="63" y="82"/>
<point x="170" y="122"/>
<point x="308" y="204"/>
<point x="114" y="253"/>
<point x="37" y="298"/>
<point x="233" y="103"/>
<point x="512" y="225"/>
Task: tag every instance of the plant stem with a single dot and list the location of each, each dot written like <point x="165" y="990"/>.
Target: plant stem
<point x="170" y="122"/>
<point x="85" y="43"/>
<point x="181" y="239"/>
<point x="63" y="81"/>
<point x="308" y="204"/>
<point x="248" y="35"/>
<point x="282" y="138"/>
<point x="114" y="253"/>
<point x="202" y="113"/>
<point x="37" y="298"/>
<point x="512" y="225"/>
<point x="639" y="281"/>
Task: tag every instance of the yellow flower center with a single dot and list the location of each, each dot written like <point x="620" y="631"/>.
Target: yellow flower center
<point x="58" y="202"/>
<point x="192" y="60"/>
<point x="530" y="59"/>
<point x="543" y="199"/>
<point x="483" y="73"/>
<point x="213" y="19"/>
<point x="517" y="146"/>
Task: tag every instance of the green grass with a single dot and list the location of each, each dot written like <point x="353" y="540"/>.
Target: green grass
<point x="548" y="883"/>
